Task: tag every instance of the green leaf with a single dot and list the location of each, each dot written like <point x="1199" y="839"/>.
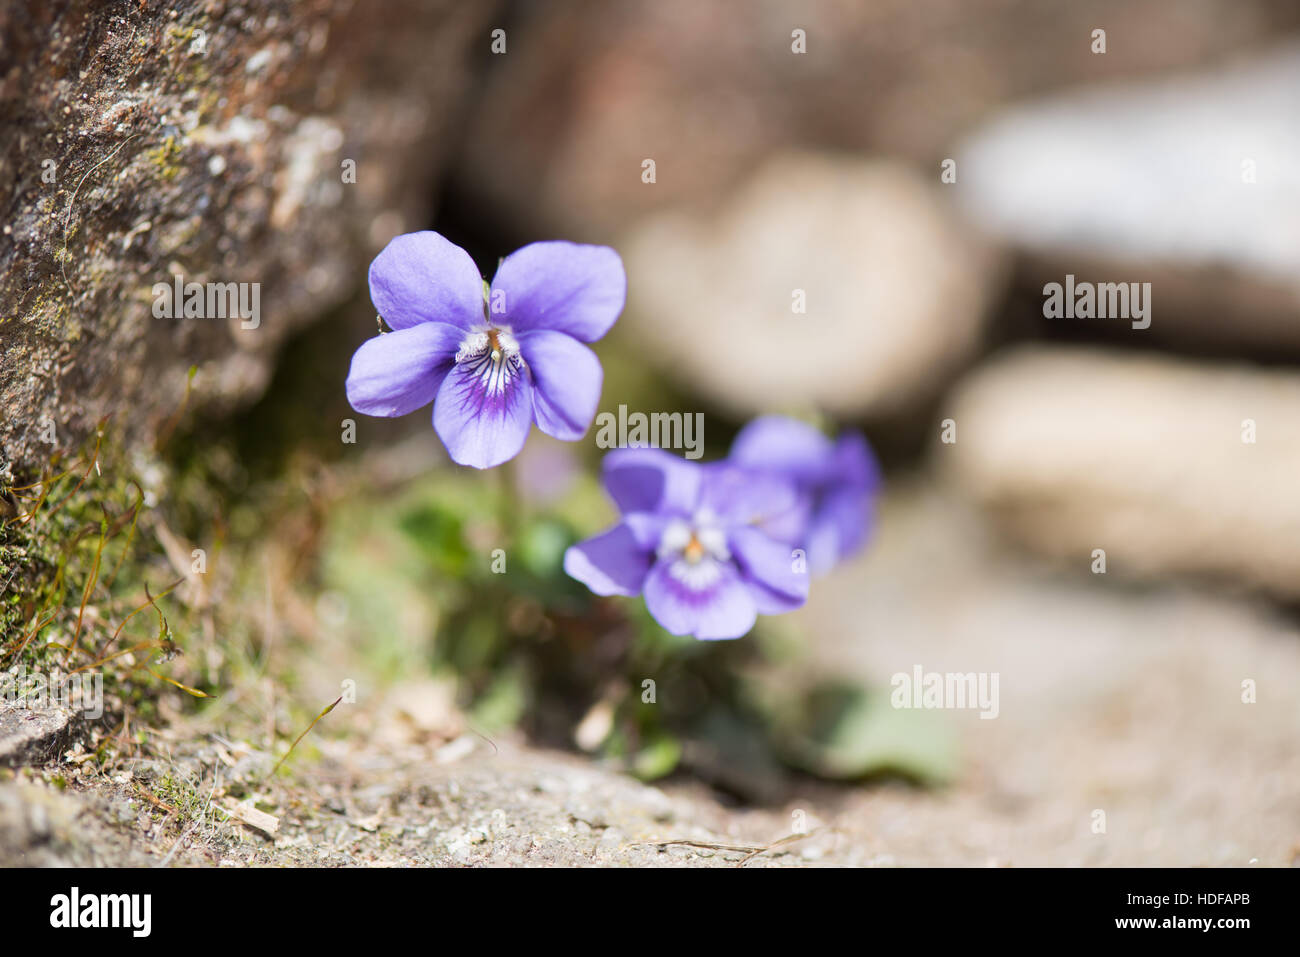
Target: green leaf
<point x="658" y="758"/>
<point x="845" y="732"/>
<point x="541" y="548"/>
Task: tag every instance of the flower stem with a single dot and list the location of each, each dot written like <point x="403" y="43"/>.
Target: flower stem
<point x="510" y="517"/>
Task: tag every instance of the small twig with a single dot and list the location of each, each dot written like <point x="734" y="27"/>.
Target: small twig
<point x="750" y="851"/>
<point x="750" y="848"/>
<point x="156" y="801"/>
<point x="788" y="839"/>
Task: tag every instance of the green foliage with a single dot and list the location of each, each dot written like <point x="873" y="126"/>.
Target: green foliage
<point x="841" y="731"/>
<point x="84" y="593"/>
<point x="455" y="570"/>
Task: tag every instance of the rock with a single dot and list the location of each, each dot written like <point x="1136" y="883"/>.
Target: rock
<point x="894" y="293"/>
<point x="27" y="823"/>
<point x="32" y="735"/>
<point x="1188" y="184"/>
<point x="208" y="139"/>
<point x="1171" y="467"/>
<point x="44" y="826"/>
<point x="586" y="90"/>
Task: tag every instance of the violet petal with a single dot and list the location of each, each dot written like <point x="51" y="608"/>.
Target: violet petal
<point x="401" y="371"/>
<point x="768" y="568"/>
<point x="651" y="480"/>
<point x="723" y="610"/>
<point x="567" y="379"/>
<point x="611" y="563"/>
<point x="567" y="287"/>
<point x="483" y="417"/>
<point x="785" y="445"/>
<point x="423" y="277"/>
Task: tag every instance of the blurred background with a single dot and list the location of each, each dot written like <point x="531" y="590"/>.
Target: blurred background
<point x="1102" y="515"/>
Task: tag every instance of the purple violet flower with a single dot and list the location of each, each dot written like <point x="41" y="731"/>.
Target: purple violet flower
<point x="690" y="541"/>
<point x="840" y="480"/>
<point x="492" y="360"/>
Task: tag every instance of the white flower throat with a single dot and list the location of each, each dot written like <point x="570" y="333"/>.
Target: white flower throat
<point x="491" y="356"/>
<point x="694" y="549"/>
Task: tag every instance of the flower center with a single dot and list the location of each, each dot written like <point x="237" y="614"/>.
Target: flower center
<point x="492" y="356"/>
<point x="695" y="549"/>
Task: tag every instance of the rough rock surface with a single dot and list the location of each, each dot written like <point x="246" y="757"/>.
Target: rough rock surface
<point x="1171" y="467"/>
<point x="206" y="138"/>
<point x="32" y="736"/>
<point x="827" y="282"/>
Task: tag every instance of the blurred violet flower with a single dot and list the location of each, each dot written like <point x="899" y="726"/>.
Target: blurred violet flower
<point x="492" y="360"/>
<point x="840" y="480"/>
<point x="690" y="541"/>
<point x="545" y="472"/>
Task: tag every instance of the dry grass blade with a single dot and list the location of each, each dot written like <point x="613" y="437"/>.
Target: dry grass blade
<point x="94" y="459"/>
<point x="143" y="646"/>
<point x="67" y="219"/>
<point x="130" y="535"/>
<point x="32" y="634"/>
<point x="304" y="734"/>
<point x="781" y="842"/>
<point x="150" y="600"/>
<point x="165" y="433"/>
<point x="91" y="581"/>
<point x="176" y="684"/>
